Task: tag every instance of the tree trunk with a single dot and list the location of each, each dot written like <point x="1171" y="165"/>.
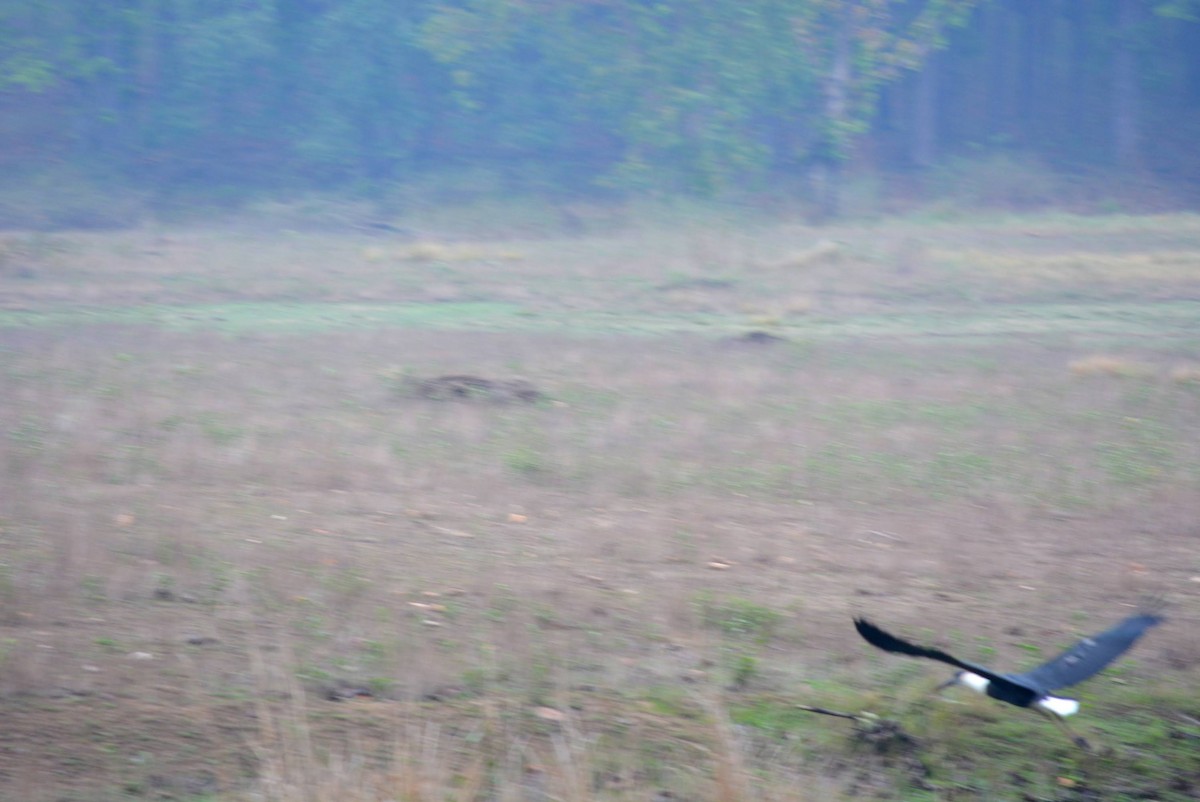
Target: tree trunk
<point x="1126" y="102"/>
<point x="827" y="162"/>
<point x="924" y="141"/>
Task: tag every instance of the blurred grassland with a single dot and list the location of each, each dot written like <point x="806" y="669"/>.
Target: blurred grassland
<point x="227" y="501"/>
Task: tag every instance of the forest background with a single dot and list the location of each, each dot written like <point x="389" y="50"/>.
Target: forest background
<point x="112" y="111"/>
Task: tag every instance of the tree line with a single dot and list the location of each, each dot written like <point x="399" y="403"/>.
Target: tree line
<point x="677" y="96"/>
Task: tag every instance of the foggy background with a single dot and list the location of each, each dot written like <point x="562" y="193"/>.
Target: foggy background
<point x="115" y="111"/>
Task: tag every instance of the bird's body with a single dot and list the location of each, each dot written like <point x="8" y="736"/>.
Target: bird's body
<point x="1052" y="704"/>
<point x="1031" y="688"/>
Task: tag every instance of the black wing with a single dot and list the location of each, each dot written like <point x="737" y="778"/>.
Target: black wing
<point x="890" y="643"/>
<point x="1090" y="655"/>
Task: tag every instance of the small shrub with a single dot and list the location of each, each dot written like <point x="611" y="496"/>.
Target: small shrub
<point x="526" y="461"/>
<point x="997" y="180"/>
<point x="744" y="669"/>
<point x="67" y="199"/>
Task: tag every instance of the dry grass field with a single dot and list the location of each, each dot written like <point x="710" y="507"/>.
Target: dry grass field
<point x="332" y="516"/>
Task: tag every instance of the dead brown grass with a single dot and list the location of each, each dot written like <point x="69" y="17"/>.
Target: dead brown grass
<point x="1186" y="374"/>
<point x="1110" y="365"/>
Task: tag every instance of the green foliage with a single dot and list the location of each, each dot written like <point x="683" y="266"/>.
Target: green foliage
<point x="1179" y="9"/>
<point x="232" y="99"/>
<point x="673" y="701"/>
<point x="667" y="95"/>
<point x="743" y="670"/>
<point x="108" y="644"/>
<point x="527" y="461"/>
<point x="219" y="431"/>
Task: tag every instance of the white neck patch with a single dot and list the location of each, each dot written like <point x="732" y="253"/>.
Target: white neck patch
<point x="1063" y="707"/>
<point x="974" y="681"/>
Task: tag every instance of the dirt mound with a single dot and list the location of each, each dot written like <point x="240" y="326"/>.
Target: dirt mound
<point x="464" y="387"/>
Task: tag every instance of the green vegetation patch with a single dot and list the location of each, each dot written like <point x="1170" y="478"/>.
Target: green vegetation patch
<point x="1143" y="741"/>
<point x="279" y="317"/>
<point x="1108" y="319"/>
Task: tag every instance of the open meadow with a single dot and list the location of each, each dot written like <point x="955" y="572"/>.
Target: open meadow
<point x="492" y="513"/>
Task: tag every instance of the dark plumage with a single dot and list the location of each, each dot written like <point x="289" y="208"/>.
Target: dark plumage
<point x="1031" y="688"/>
<point x="1090" y="656"/>
<point x="999" y="687"/>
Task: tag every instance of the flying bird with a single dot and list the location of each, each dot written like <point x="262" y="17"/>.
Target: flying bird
<point x="1031" y="688"/>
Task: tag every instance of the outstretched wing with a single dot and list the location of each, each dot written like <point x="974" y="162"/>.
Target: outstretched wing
<point x="1090" y="655"/>
<point x="890" y="643"/>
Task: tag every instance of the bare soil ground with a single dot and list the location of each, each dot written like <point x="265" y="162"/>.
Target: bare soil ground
<point x="244" y="555"/>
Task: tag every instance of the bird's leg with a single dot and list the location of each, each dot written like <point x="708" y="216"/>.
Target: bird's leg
<point x="1077" y="739"/>
<point x="950" y="683"/>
